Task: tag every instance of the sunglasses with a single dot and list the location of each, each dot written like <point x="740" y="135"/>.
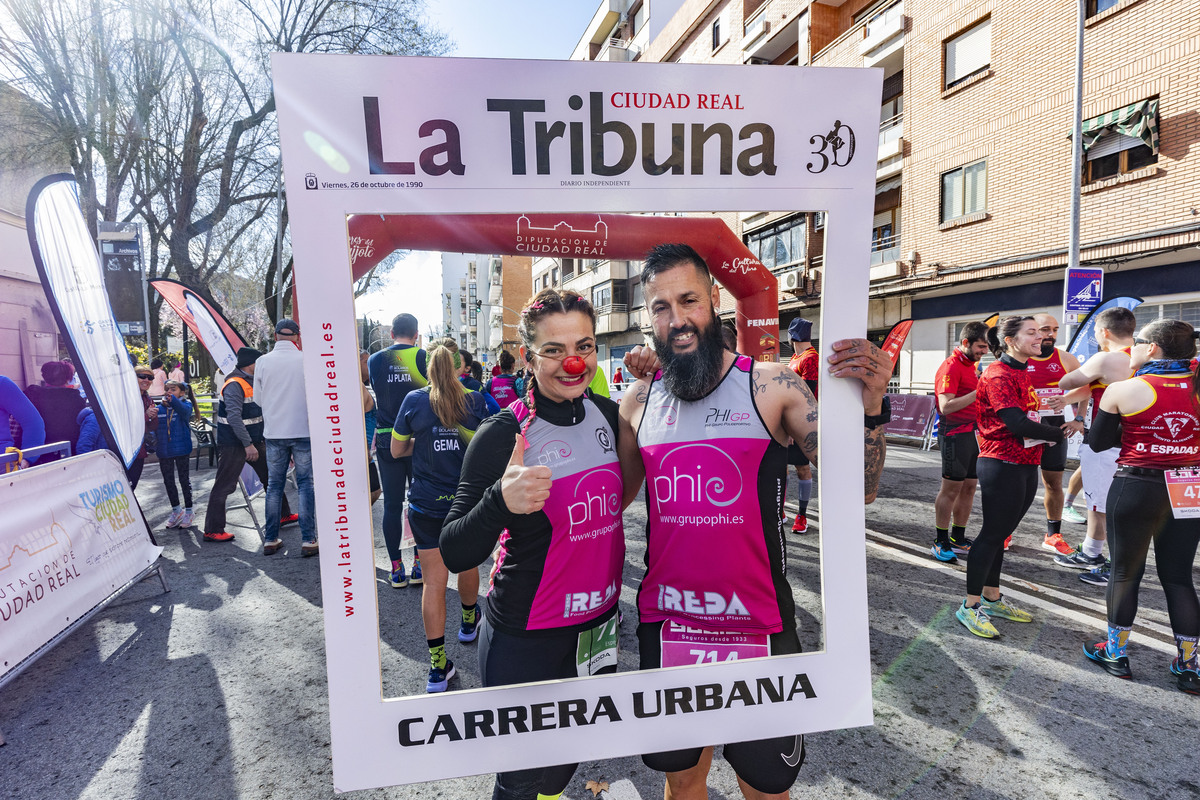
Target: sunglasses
<point x="145" y="377"/>
<point x="1136" y="340"/>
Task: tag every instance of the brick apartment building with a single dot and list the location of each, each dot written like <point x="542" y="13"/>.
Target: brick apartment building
<point x="973" y="175"/>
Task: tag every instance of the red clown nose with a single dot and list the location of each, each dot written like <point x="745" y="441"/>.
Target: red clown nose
<point x="574" y="365"/>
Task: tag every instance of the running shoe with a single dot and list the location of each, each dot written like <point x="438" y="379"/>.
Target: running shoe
<point x="467" y="631"/>
<point x="942" y="552"/>
<point x="1004" y="609"/>
<point x="1096" y="577"/>
<point x="1007" y="542"/>
<point x="186" y="520"/>
<point x="290" y="519"/>
<point x="1188" y="680"/>
<point x="271" y="546"/>
<point x="174" y="519"/>
<point x="219" y="536"/>
<point x="396" y="577"/>
<point x="1098" y="652"/>
<point x="975" y="619"/>
<point x="1080" y="560"/>
<point x="439" y="677"/>
<point x="1072" y="514"/>
<point x="309" y="549"/>
<point x="414" y="577"/>
<point x="800" y="525"/>
<point x="1054" y="542"/>
<point x="961" y="546"/>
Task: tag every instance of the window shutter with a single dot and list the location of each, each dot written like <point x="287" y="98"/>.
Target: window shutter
<point x="952" y="195"/>
<point x="969" y="52"/>
<point x="1113" y="143"/>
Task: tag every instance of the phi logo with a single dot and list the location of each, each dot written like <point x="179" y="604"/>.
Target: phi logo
<point x="697" y="473"/>
<point x="668" y="414"/>
<point x="597" y="500"/>
<point x="553" y="451"/>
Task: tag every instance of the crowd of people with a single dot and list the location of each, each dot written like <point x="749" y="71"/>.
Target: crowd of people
<point x="1138" y="401"/>
<point x="471" y="471"/>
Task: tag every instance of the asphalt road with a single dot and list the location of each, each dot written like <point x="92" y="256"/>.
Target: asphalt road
<point x="218" y="689"/>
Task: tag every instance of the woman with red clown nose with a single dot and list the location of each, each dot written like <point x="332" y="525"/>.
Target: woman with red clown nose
<point x="543" y="479"/>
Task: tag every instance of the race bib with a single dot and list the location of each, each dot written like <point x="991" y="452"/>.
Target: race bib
<point x="1183" y="485"/>
<point x="1044" y="397"/>
<point x="597" y="648"/>
<point x="406" y="538"/>
<point x="1035" y="416"/>
<point x="684" y="646"/>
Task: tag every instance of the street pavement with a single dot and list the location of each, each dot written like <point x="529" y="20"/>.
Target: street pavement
<point x="218" y="688"/>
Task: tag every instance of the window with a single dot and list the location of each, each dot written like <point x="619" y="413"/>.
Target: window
<point x="716" y="34"/>
<point x="554" y="276"/>
<point x="1094" y="7"/>
<point x="779" y="244"/>
<point x="969" y="53"/>
<point x="639" y="18"/>
<point x="602" y="296"/>
<point x="885" y="236"/>
<point x="1146" y="313"/>
<point x="639" y="296"/>
<point x="1122" y="154"/>
<point x="964" y="191"/>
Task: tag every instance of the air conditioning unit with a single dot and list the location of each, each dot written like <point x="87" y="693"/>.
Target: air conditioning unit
<point x="792" y="281"/>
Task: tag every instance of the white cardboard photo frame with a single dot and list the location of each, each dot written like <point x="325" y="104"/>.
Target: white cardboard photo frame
<point x="816" y="164"/>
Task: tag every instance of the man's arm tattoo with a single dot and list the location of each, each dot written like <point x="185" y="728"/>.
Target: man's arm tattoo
<point x="787" y="379"/>
<point x="642" y="393"/>
<point x="809" y="446"/>
<point x="758" y="386"/>
<point x="875" y="448"/>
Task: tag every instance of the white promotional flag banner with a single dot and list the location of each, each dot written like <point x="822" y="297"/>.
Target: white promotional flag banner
<point x="513" y="143"/>
<point x="210" y="335"/>
<point x="72" y="275"/>
<point x="71" y="535"/>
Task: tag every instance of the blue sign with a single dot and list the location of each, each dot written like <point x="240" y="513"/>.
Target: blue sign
<point x="1085" y="287"/>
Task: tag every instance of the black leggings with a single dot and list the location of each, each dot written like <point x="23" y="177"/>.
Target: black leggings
<point x="506" y="659"/>
<point x="1008" y="491"/>
<point x="1139" y="512"/>
<point x="394" y="476"/>
<point x="169" y="466"/>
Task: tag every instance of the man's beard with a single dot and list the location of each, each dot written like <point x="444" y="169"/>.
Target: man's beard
<point x="1047" y="348"/>
<point x="690" y="376"/>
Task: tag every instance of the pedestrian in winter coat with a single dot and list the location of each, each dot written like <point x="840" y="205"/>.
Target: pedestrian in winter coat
<point x="173" y="448"/>
<point x="90" y="436"/>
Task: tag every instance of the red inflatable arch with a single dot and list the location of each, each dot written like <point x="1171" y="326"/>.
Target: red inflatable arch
<point x="598" y="236"/>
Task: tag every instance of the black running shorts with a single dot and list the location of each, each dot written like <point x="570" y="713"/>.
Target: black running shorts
<point x="767" y="765"/>
<point x="373" y="476"/>
<point x="426" y="530"/>
<point x="796" y="457"/>
<point x="959" y="452"/>
<point x="1054" y="457"/>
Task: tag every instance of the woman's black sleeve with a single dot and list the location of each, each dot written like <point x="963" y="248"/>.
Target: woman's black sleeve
<point x="1020" y="425"/>
<point x="1105" y="432"/>
<point x="478" y="515"/>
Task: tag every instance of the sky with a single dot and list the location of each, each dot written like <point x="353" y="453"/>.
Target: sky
<point x="480" y="29"/>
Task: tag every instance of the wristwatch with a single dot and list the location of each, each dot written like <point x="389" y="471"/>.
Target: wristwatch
<point x="882" y="418"/>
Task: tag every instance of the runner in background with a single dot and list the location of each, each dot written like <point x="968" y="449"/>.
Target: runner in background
<point x="1114" y="334"/>
<point x="740" y="453"/>
<point x="369" y="420"/>
<point x="805" y="363"/>
<point x="1155" y="418"/>
<point x="1011" y="448"/>
<point x="503" y="387"/>
<point x="1074" y="489"/>
<point x="394" y="372"/>
<point x="955" y="384"/>
<point x="434" y="427"/>
<point x="1046" y="369"/>
<point x="599" y="384"/>
<point x="471" y="376"/>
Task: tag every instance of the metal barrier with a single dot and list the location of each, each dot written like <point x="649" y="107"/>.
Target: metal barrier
<point x="8" y="460"/>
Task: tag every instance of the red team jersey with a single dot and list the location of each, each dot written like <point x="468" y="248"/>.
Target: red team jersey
<point x="1002" y="386"/>
<point x="957" y="376"/>
<point x="1045" y="373"/>
<point x="806" y="366"/>
<point x="1165" y="434"/>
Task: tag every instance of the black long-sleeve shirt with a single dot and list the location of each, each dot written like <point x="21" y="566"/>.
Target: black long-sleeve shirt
<point x="479" y="514"/>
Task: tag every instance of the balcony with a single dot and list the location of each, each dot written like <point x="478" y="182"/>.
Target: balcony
<point x="883" y="39"/>
<point x="772" y="29"/>
<point x="891" y="137"/>
<point x="612" y="318"/>
<point x="885" y="258"/>
<point x="617" y="50"/>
